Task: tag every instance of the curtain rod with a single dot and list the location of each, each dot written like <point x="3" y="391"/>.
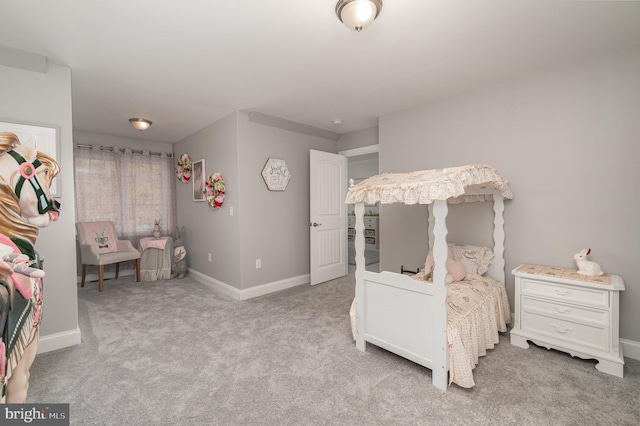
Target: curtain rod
<point x="122" y="150"/>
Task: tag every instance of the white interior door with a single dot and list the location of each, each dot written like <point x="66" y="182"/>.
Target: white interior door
<point x="328" y="216"/>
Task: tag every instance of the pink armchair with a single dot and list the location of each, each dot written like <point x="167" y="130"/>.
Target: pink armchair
<point x="99" y="246"/>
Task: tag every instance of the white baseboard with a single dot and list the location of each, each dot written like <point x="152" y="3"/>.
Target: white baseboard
<point x="272" y="287"/>
<point x="215" y="284"/>
<point x="630" y="349"/>
<point x="52" y="342"/>
<point x="252" y="292"/>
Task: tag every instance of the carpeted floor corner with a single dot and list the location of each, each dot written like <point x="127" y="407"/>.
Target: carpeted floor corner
<point x="179" y="353"/>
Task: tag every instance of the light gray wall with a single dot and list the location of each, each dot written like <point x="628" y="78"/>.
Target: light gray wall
<point x="361" y="167"/>
<point x="566" y="139"/>
<point x="45" y="98"/>
<point x="274" y="224"/>
<point x="358" y="139"/>
<point x="208" y="230"/>
<point x="267" y="225"/>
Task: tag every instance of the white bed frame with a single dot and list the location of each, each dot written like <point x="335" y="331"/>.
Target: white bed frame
<point x="405" y="316"/>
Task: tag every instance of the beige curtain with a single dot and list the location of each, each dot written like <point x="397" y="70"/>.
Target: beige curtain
<point x="133" y="189"/>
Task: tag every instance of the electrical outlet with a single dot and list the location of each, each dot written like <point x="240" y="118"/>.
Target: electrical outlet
<point x="258" y="263"/>
<point x="209" y="256"/>
<point x="230" y="211"/>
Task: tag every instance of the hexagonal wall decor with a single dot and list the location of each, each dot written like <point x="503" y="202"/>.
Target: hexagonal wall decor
<point x="276" y="174"/>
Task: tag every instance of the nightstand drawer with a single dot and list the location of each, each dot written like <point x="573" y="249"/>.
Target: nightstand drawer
<point x="565" y="312"/>
<point x="582" y="335"/>
<point x="567" y="293"/>
<point x="371" y="222"/>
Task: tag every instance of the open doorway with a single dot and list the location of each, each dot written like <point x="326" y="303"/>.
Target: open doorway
<point x="361" y="164"/>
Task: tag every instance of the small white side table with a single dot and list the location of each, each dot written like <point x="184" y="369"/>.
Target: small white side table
<point x="558" y="308"/>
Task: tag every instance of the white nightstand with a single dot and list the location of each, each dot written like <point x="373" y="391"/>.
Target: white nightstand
<point x="558" y="308"/>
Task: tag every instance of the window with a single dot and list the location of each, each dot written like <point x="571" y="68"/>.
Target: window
<point x="131" y="189"/>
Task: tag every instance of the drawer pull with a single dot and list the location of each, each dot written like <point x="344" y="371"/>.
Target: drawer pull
<point x="562" y="330"/>
<point x="562" y="291"/>
<point x="562" y="309"/>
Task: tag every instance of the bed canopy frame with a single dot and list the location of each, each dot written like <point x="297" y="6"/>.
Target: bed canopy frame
<point x="394" y="311"/>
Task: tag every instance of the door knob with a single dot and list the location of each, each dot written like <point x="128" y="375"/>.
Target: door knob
<point x="314" y="224"/>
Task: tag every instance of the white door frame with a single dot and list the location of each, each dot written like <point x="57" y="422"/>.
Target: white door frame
<point x="369" y="149"/>
<point x="355" y="152"/>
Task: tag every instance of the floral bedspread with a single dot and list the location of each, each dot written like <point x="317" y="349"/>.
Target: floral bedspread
<point x="477" y="310"/>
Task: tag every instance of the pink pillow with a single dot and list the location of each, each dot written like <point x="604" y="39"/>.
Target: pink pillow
<point x="100" y="235"/>
<point x="476" y="259"/>
<point x="454" y="268"/>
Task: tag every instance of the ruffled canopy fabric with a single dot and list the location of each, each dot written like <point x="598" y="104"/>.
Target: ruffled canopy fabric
<point x="424" y="187"/>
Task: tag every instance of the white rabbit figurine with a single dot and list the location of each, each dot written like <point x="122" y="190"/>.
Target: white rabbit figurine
<point x="586" y="267"/>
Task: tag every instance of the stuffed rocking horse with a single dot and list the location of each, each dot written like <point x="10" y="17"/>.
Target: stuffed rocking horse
<point x="25" y="206"/>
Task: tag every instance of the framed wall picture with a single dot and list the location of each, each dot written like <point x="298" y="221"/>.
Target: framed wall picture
<point x="47" y="141"/>
<point x="276" y="174"/>
<point x="197" y="177"/>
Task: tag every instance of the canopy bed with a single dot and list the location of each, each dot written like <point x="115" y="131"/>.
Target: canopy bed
<point x="441" y="325"/>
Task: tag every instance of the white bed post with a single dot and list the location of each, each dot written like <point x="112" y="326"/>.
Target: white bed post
<point x="430" y="222"/>
<point x="498" y="237"/>
<point x="360" y="268"/>
<point x="439" y="337"/>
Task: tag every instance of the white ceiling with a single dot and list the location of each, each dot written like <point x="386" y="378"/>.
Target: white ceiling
<point x="185" y="64"/>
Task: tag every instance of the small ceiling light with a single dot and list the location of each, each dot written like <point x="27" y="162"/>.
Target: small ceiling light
<point x="337" y="122"/>
<point x="358" y="14"/>
<point x="140" y="123"/>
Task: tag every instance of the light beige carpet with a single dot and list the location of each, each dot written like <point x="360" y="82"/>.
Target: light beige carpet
<point x="179" y="353"/>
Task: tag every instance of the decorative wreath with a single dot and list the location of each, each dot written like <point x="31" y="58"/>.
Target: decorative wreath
<point x="214" y="189"/>
<point x="183" y="168"/>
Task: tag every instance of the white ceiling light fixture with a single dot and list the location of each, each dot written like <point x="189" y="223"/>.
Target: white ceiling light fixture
<point x="140" y="123"/>
<point x="358" y="14"/>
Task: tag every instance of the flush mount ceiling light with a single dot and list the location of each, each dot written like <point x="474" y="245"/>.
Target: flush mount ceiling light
<point x="140" y="123"/>
<point x="358" y="14"/>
